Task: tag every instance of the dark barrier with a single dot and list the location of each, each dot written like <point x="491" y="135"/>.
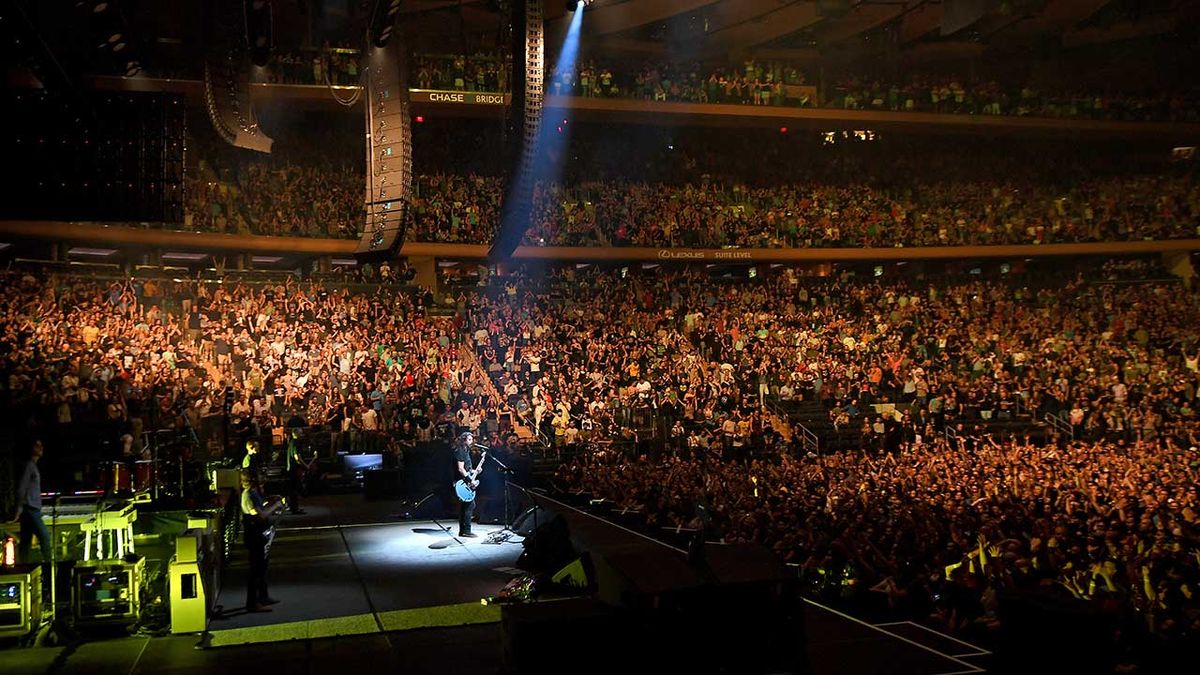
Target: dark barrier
<point x="716" y="608"/>
<point x="1047" y="633"/>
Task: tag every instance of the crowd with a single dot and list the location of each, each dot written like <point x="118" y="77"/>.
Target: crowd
<point x="457" y="72"/>
<point x="752" y="83"/>
<point x="654" y="188"/>
<point x="669" y="410"/>
<point x="757" y="82"/>
<point x="462" y="209"/>
<point x="933" y="524"/>
<point x="942" y="533"/>
<point x="300" y="190"/>
<point x="134" y="355"/>
<point x="298" y="200"/>
<point x="761" y="82"/>
<point x="279" y="199"/>
<point x="958" y="95"/>
<point x="817" y="214"/>
<point x="329" y="65"/>
<point x="1117" y="362"/>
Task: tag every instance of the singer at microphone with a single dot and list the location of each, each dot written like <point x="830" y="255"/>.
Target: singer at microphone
<point x="464" y="470"/>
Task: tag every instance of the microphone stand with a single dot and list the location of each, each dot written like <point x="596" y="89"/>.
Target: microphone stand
<point x="54" y="560"/>
<point x="56" y="630"/>
<point x="505" y="469"/>
<point x="505" y="533"/>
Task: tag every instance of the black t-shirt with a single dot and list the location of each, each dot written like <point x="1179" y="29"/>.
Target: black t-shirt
<point x="462" y="454"/>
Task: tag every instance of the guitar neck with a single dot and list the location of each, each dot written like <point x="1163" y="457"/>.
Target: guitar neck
<point x="479" y="466"/>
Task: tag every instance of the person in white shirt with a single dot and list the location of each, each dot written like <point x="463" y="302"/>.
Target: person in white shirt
<point x="370" y="419"/>
<point x="29" y="508"/>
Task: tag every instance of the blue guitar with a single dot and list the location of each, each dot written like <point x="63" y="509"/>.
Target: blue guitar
<point x="464" y="488"/>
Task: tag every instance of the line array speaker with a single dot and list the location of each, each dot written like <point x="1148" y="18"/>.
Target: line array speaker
<point x="528" y="97"/>
<point x="389" y="152"/>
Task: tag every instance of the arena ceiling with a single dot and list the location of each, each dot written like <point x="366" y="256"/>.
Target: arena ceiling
<point x="167" y="35"/>
<point x="806" y="30"/>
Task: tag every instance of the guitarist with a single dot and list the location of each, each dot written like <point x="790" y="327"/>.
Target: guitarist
<point x="462" y="461"/>
<point x="297" y="471"/>
<point x="257" y="519"/>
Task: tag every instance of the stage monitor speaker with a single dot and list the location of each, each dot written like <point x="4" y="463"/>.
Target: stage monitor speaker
<point x="574" y="635"/>
<point x="548" y="544"/>
<point x="20" y="600"/>
<point x="381" y="484"/>
<point x="574" y="574"/>
<point x="1065" y="634"/>
<point x="524" y="523"/>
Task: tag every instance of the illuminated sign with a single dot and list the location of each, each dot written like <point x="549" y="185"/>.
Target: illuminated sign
<point x="461" y="97"/>
<point x="684" y="254"/>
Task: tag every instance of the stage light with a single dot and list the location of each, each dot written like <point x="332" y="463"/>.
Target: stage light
<point x="783" y="130"/>
<point x="420" y="119"/>
<point x="573" y="5"/>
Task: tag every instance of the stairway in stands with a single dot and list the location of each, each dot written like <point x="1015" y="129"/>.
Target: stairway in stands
<point x="816" y="419"/>
<point x="467" y="356"/>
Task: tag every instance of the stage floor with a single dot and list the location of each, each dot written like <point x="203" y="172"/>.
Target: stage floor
<point x="350" y="567"/>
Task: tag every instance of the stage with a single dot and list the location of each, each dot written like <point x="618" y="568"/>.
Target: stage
<point x="356" y="585"/>
<point x="349" y="569"/>
<point x="352" y="567"/>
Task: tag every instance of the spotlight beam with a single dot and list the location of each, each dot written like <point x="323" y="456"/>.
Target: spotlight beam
<point x="551" y="139"/>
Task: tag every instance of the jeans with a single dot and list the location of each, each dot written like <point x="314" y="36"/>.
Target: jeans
<point x="256" y="549"/>
<point x="465" y="511"/>
<point x="32" y="524"/>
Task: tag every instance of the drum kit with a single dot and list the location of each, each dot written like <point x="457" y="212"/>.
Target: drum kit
<point x="145" y="477"/>
<point x="127" y="478"/>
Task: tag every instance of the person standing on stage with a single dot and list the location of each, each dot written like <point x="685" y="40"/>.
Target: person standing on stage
<point x="297" y="470"/>
<point x="252" y="461"/>
<point x="29" y="507"/>
<point x="462" y="461"/>
<point x="257" y="535"/>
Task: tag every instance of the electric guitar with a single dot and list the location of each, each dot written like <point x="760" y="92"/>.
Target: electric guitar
<point x="464" y="489"/>
<point x="302" y="470"/>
